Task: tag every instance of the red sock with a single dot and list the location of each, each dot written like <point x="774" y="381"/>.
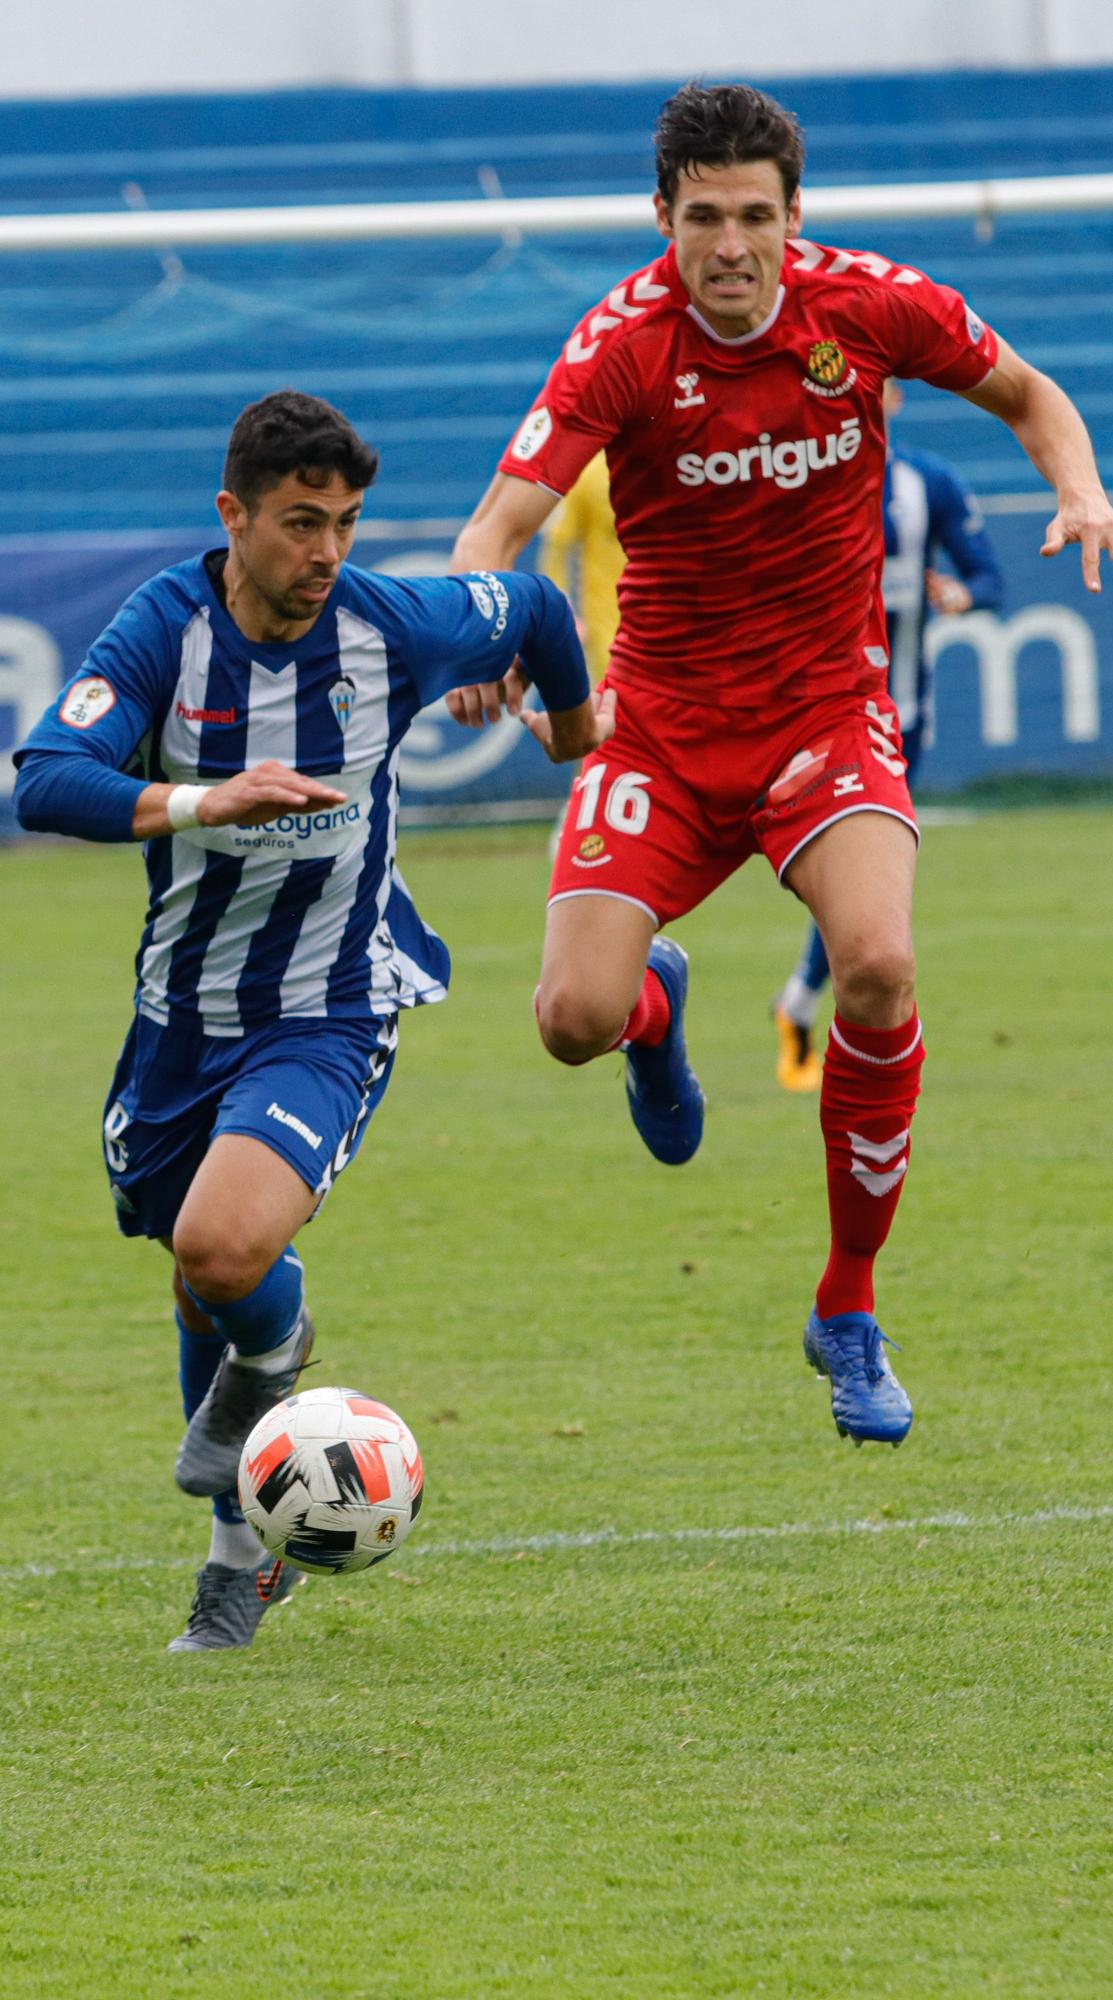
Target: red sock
<point x="871" y="1080"/>
<point x="648" y="1024"/>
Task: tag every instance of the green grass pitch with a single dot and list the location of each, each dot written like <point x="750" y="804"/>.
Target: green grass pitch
<point x="672" y="1694"/>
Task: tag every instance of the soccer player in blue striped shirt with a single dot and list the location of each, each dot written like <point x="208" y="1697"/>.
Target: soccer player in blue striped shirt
<point x="242" y="716"/>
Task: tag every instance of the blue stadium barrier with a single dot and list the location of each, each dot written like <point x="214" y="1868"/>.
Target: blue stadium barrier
<point x="1029" y="691"/>
<point x="122" y="373"/>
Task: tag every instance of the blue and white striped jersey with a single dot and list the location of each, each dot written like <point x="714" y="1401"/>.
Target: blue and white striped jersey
<point x="308" y="915"/>
<point x="927" y="507"/>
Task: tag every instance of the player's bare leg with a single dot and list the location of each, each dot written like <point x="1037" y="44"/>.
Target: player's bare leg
<point x="856" y="878"/>
<point x="233" y="1254"/>
<point x="608" y="982"/>
<point x="592" y="972"/>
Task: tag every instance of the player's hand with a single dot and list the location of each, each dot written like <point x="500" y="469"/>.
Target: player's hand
<point x="946" y="593"/>
<point x="572" y="732"/>
<point x="1088" y="521"/>
<point x="253" y="797"/>
<point x="485" y="702"/>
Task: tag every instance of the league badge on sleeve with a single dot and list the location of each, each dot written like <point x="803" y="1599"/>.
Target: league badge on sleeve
<point x="535" y="432"/>
<point x="86" y="701"/>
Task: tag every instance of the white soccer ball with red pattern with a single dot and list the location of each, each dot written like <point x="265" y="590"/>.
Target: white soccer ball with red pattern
<point x="331" y="1481"/>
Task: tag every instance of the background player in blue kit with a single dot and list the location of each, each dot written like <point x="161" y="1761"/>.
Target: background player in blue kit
<point x="926" y="508"/>
<point x="242" y="715"/>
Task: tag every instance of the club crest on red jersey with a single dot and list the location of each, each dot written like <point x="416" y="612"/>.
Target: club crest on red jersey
<point x="827" y="363"/>
<point x="828" y="372"/>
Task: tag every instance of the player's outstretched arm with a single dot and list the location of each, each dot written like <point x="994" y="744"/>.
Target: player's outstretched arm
<point x="251" y="798"/>
<point x="73" y="792"/>
<point x="1048" y="427"/>
<point x="509" y="515"/>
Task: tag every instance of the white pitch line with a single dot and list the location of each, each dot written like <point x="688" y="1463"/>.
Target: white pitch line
<point x="615" y="1538"/>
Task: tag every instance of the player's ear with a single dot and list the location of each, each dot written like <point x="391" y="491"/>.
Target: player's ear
<point x="233" y="513"/>
<point x="664" y="216"/>
<point x="795" y="214"/>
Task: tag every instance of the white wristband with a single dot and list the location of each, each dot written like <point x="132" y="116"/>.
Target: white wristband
<point x="181" y="806"/>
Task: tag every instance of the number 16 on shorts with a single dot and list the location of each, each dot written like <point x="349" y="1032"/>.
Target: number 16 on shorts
<point x="625" y="807"/>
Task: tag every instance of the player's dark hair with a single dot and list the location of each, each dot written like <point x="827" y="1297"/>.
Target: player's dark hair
<point x="289" y="432"/>
<point x="715" y="125"/>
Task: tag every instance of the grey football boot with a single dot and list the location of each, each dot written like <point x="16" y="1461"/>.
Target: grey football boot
<point x="209" y="1454"/>
<point x="228" y="1604"/>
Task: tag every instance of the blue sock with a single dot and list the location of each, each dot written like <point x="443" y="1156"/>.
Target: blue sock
<point x="198" y="1356"/>
<point x="265" y="1318"/>
<point x="813" y="968"/>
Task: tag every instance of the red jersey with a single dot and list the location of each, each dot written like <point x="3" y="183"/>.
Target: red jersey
<point x="746" y="474"/>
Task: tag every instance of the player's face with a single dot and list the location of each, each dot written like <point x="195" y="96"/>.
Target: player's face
<point x="730" y="226"/>
<point x="287" y="552"/>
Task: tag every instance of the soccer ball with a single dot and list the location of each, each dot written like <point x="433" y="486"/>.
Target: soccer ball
<point x="331" y="1481"/>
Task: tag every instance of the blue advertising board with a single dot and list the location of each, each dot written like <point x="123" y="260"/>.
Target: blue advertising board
<point x="1026" y="691"/>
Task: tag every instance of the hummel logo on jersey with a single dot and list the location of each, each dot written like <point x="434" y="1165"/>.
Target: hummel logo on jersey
<point x="869" y="1155"/>
<point x="287" y="1118"/>
<point x="218" y="715"/>
<point x="687" y="398"/>
<point x="788" y="463"/>
<point x="641" y="294"/>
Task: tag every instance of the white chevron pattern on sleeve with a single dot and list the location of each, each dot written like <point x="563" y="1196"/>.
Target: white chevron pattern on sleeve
<point x="642" y="291"/>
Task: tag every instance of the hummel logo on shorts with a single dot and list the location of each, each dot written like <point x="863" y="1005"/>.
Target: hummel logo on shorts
<point x="296" y="1125"/>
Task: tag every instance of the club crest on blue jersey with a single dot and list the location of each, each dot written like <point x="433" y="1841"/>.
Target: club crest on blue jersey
<point x="342" y="700"/>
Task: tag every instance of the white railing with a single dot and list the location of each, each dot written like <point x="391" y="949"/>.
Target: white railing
<point x="344" y="222"/>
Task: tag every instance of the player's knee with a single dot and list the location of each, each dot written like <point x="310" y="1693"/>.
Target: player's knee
<point x="875" y="975"/>
<point x="576" y="1024"/>
<point x="218" y="1266"/>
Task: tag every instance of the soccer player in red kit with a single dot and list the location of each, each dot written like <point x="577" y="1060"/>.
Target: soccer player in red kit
<point x="736" y="386"/>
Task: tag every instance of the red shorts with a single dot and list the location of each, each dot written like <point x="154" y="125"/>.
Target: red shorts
<point x="681" y="796"/>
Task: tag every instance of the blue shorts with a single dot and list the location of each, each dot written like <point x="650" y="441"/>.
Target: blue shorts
<point x="305" y="1088"/>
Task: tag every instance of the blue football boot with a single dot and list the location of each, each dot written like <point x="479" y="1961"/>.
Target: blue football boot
<point x="666" y="1102"/>
<point x="867" y="1401"/>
